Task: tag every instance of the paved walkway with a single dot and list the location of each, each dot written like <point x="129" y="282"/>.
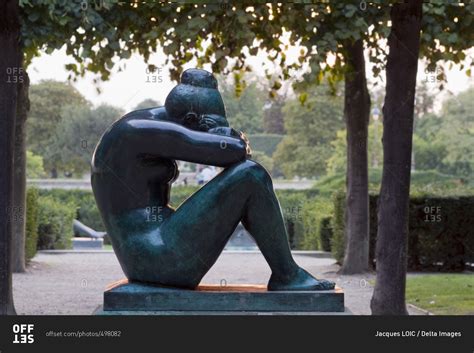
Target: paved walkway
<point x="73" y="283"/>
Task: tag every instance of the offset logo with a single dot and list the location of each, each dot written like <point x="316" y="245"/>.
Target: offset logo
<point x="23" y="333"/>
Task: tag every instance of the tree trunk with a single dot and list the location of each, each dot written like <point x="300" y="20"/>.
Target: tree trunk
<point x="19" y="178"/>
<point x="9" y="67"/>
<point x="391" y="251"/>
<point x="356" y="113"/>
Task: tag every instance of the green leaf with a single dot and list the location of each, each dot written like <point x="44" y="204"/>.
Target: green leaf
<point x="303" y="97"/>
<point x="276" y="85"/>
<point x="125" y="54"/>
<point x="453" y="37"/>
<point x="34" y="16"/>
<point x="350" y="10"/>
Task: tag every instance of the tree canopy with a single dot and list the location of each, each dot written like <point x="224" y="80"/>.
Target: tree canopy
<point x="245" y="111"/>
<point x="310" y="129"/>
<point x="48" y="98"/>
<point x="448" y="137"/>
<point x="147" y="103"/>
<point x="100" y="31"/>
<point x="63" y="128"/>
<point x="78" y="133"/>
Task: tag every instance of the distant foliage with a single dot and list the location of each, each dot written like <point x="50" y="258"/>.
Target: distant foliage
<point x="441" y="142"/>
<point x="273" y="116"/>
<point x="337" y="161"/>
<point x="63" y="128"/>
<point x="310" y="129"/>
<point x="264" y="160"/>
<point x="34" y="166"/>
<point x="447" y="138"/>
<point x="78" y="133"/>
<point x="266" y="143"/>
<point x="245" y="110"/>
<point x="47" y="100"/>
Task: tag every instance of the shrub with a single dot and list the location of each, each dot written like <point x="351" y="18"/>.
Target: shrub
<point x="31" y="224"/>
<point x="34" y="166"/>
<point x="337" y="225"/>
<point x="291" y="203"/>
<point x="310" y="225"/>
<point x="325" y="234"/>
<point x="441" y="232"/>
<point x="82" y="201"/>
<point x="315" y="210"/>
<point x="55" y="221"/>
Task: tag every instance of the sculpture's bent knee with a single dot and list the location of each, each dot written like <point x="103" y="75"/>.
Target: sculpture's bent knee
<point x="255" y="172"/>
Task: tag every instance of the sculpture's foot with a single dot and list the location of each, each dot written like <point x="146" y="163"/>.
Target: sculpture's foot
<point x="300" y="281"/>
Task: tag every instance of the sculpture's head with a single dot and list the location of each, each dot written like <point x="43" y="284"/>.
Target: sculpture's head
<point x="195" y="102"/>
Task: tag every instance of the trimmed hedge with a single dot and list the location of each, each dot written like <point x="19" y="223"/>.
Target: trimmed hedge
<point x="55" y="221"/>
<point x="325" y="234"/>
<point x="82" y="201"/>
<point x="31" y="224"/>
<point x="315" y="211"/>
<point x="441" y="232"/>
<point x="291" y="204"/>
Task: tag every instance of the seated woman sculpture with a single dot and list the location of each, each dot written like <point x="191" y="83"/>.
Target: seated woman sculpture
<point x="134" y="165"/>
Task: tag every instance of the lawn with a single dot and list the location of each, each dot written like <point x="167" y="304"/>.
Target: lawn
<point x="443" y="294"/>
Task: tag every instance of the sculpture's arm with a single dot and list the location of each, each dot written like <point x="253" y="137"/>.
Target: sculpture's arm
<point x="170" y="140"/>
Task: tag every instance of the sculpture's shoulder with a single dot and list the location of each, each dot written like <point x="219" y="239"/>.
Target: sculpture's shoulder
<point x="155" y="113"/>
<point x="113" y="138"/>
<point x="121" y="126"/>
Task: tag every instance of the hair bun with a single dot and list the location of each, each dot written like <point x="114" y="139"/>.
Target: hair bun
<point x="199" y="78"/>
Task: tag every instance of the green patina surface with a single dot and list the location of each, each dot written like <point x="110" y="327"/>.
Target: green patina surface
<point x="134" y="166"/>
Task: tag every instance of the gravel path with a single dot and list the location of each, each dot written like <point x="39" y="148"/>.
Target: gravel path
<point x="73" y="283"/>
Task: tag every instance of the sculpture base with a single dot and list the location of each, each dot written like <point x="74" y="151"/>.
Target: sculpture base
<point x="124" y="298"/>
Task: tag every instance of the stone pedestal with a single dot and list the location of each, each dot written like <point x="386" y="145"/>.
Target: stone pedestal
<point x="124" y="298"/>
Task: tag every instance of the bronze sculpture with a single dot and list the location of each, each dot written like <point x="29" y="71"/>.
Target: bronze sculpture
<point x="134" y="165"/>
